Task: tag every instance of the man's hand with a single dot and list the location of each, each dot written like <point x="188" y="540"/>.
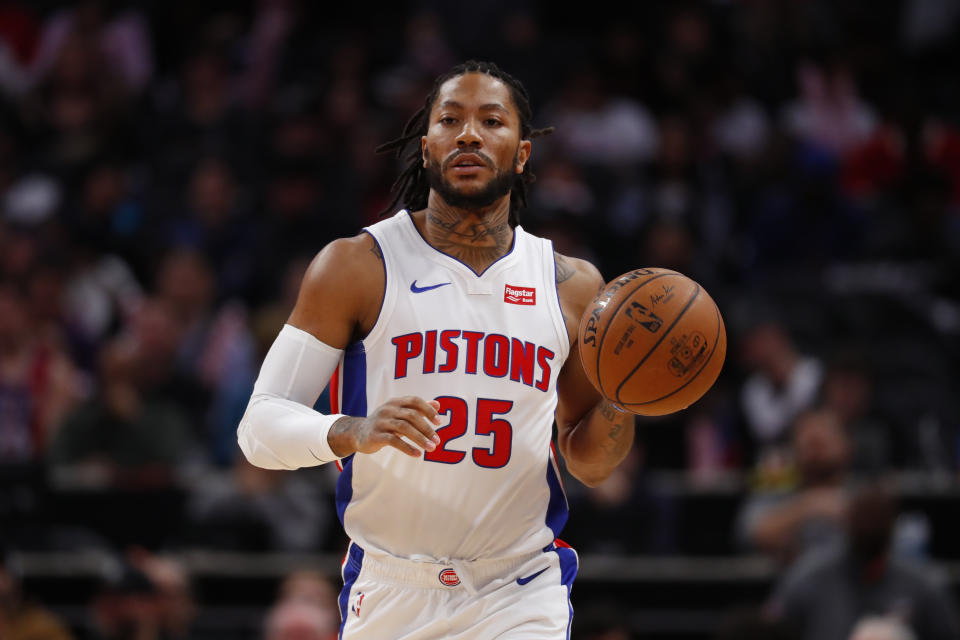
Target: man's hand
<point x="411" y="417"/>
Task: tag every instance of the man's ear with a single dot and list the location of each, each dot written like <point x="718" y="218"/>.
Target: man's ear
<point x="423" y="150"/>
<point x="523" y="154"/>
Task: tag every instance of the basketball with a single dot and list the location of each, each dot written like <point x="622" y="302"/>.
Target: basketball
<point x="652" y="341"/>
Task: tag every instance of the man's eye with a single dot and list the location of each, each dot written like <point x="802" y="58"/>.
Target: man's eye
<point x="493" y="122"/>
<point x="447" y="120"/>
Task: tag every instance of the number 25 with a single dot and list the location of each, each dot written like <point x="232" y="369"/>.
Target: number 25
<point x="494" y="457"/>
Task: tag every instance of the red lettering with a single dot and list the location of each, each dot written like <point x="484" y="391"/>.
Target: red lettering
<point x="450" y="347"/>
<point x="473" y="341"/>
<point x="430" y="352"/>
<point x="521" y="361"/>
<point x="408" y="346"/>
<point x="544" y="355"/>
<point x="496" y="355"/>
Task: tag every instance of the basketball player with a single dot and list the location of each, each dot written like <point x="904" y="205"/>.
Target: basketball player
<point x="449" y="333"/>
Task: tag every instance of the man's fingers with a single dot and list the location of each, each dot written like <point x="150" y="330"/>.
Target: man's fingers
<point x="407" y="427"/>
<point x="399" y="443"/>
<point x="428" y="409"/>
<point x="414" y="413"/>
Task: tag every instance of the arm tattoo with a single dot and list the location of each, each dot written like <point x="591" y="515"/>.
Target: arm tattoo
<point x="610" y="412"/>
<point x="564" y="269"/>
<point x="618" y="420"/>
<point x="375" y="250"/>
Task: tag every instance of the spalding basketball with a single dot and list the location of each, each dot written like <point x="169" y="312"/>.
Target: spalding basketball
<point x="652" y="341"/>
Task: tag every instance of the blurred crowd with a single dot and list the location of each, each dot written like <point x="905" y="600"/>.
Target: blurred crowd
<point x="168" y="169"/>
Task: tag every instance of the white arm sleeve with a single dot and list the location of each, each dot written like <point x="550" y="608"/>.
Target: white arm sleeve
<point x="280" y="429"/>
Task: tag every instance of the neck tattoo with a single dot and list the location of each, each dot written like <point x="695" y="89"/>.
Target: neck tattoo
<point x="477" y="240"/>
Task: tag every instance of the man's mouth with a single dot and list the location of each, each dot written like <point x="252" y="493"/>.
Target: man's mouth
<point x="468" y="160"/>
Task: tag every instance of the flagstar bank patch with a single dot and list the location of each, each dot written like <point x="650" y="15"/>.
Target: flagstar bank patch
<point x="519" y="295"/>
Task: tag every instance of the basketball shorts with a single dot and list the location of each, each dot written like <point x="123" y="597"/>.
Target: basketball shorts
<point x="522" y="598"/>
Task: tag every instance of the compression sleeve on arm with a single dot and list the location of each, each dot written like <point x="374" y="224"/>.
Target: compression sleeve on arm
<point x="280" y="429"/>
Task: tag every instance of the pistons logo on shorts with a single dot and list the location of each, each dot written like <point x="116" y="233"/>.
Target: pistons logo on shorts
<point x="449" y="578"/>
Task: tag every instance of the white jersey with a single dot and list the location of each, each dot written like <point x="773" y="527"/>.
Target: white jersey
<point x="488" y="348"/>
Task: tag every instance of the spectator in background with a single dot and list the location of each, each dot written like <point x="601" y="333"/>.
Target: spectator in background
<point x="879" y="628"/>
<point x="21" y="619"/>
<point x="599" y="129"/>
<point x="306" y="609"/>
<point x="272" y="23"/>
<point x="101" y="291"/>
<point x="781" y="383"/>
<point x="80" y="108"/>
<point x="121" y="40"/>
<point x="106" y="218"/>
<point x="19" y="35"/>
<point x="50" y="316"/>
<point x="202" y="116"/>
<point x="829" y="112"/>
<point x="300" y="621"/>
<point x="38" y="382"/>
<point x="847" y="391"/>
<point x="786" y="523"/>
<point x="176" y="609"/>
<point x="123" y="436"/>
<point x="215" y="349"/>
<point x="310" y="587"/>
<point x="126" y="607"/>
<point x="739" y="126"/>
<point x="824" y="595"/>
<point x="216" y="225"/>
<point x="254" y="509"/>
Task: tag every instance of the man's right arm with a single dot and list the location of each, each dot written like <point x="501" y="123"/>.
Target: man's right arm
<point x="339" y="301"/>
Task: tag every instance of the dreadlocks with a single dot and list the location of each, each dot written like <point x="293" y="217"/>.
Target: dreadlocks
<point x="411" y="187"/>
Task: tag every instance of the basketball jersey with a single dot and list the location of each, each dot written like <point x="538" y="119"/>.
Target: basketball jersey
<point x="488" y="347"/>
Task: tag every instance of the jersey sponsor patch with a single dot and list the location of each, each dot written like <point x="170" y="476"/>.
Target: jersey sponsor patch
<point x="449" y="578"/>
<point x="519" y="295"/>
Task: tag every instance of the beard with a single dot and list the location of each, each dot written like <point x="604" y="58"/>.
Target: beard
<point x="498" y="186"/>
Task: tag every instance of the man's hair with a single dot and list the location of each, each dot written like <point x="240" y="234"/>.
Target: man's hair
<point x="411" y="187"/>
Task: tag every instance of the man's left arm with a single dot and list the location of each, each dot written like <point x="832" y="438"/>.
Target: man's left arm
<point x="593" y="434"/>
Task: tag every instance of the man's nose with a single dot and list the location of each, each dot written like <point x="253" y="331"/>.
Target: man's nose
<point x="469" y="136"/>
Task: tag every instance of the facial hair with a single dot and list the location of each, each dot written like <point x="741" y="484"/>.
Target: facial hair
<point x="498" y="186"/>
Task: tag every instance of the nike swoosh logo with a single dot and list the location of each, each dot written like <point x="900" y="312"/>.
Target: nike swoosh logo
<point x="523" y="581"/>
<point x="416" y="289"/>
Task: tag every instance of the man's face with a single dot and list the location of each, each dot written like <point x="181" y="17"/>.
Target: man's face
<point x="821" y="447"/>
<point x="472" y="151"/>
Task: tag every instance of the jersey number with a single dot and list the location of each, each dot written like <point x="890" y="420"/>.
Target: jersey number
<point x="494" y="457"/>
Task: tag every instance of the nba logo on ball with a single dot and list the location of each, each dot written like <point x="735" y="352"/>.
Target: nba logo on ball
<point x="652" y="341"/>
<point x="449" y="578"/>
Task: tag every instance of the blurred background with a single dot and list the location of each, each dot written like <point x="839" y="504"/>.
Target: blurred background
<point x="168" y="169"/>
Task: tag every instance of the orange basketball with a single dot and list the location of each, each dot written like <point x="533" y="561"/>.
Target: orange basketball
<point x="652" y="341"/>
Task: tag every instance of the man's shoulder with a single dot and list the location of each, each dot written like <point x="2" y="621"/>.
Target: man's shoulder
<point x="344" y="263"/>
<point x="578" y="272"/>
<point x="349" y="254"/>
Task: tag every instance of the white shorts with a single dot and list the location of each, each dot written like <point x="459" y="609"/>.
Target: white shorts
<point x="523" y="598"/>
